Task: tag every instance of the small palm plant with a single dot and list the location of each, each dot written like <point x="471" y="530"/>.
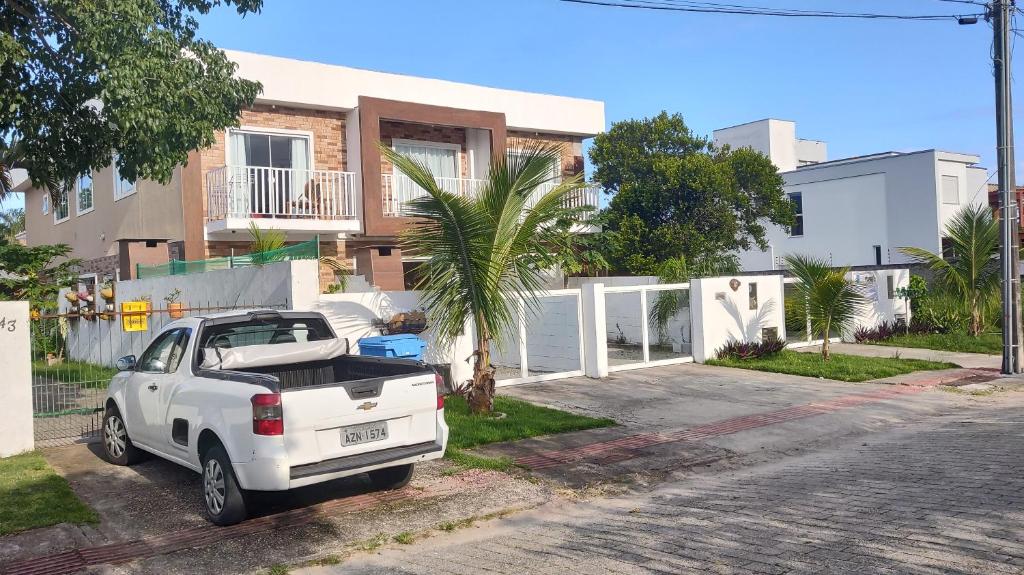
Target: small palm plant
<point x="833" y="301"/>
<point x="487" y="251"/>
<point x="264" y="245"/>
<point x="971" y="274"/>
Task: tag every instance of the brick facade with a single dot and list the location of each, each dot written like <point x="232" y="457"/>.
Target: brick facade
<point x="572" y="148"/>
<point x="390" y="130"/>
<point x="327" y="127"/>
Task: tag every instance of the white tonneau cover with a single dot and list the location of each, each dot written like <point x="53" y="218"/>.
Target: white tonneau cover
<point x="272" y="354"/>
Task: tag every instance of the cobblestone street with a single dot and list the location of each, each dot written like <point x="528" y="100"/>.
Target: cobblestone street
<point x="944" y="495"/>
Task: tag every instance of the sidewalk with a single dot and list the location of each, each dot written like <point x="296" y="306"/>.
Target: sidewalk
<point x="968" y="360"/>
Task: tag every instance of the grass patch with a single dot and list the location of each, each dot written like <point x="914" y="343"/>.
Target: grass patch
<point x="840" y="367"/>
<point x="990" y="343"/>
<point x="278" y="569"/>
<point x="33" y="495"/>
<point x="405" y="538"/>
<point x="87" y="375"/>
<point x="523" y="420"/>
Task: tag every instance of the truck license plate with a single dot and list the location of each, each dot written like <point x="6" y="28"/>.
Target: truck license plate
<point x="365" y="433"/>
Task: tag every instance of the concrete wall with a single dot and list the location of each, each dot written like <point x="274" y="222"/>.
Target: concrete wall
<point x="153" y="212"/>
<point x="311" y="84"/>
<point x="720" y="314"/>
<point x="351" y="315"/>
<point x="892" y="200"/>
<point x="281" y="284"/>
<point x="16" y="383"/>
<point x="775" y="139"/>
<point x="882" y="307"/>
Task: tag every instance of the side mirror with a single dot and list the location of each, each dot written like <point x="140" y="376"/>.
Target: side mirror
<point x="126" y="363"/>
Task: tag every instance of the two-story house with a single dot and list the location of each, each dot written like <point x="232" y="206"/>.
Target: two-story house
<point x="857" y="211"/>
<point x="305" y="160"/>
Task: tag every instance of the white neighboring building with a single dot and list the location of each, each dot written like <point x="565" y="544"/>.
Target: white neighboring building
<point x="861" y="210"/>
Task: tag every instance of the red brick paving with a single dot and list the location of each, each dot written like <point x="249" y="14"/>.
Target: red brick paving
<point x="629" y="447"/>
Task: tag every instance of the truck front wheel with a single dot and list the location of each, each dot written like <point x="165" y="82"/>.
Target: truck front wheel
<point x="224" y="500"/>
<point x="391" y="477"/>
<point x="117" y="446"/>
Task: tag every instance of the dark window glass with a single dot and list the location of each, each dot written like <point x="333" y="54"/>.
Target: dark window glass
<point x="798" y="212"/>
<point x="878" y="255"/>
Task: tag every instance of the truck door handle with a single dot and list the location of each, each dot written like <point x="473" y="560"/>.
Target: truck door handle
<point x="152" y="387"/>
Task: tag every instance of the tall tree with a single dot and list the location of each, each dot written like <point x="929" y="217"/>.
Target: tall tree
<point x="486" y="251"/>
<point x="674" y="194"/>
<point x="82" y="81"/>
<point x="12" y="223"/>
<point x="971" y="272"/>
<point x="30" y="273"/>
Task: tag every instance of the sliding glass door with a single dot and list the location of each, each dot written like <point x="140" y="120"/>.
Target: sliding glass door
<point x="272" y="168"/>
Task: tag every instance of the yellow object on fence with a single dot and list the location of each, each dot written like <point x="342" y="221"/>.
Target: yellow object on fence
<point x="133" y="316"/>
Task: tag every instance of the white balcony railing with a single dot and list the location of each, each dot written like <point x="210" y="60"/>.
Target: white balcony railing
<point x="260" y="192"/>
<point x="396" y="189"/>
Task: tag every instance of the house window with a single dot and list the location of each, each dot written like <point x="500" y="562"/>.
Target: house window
<point x="798" y="213"/>
<point x="441" y="159"/>
<point x="46" y="202"/>
<point x="122" y="187"/>
<point x="947" y="249"/>
<point x="878" y="255"/>
<point x="83" y="189"/>
<point x="269" y="150"/>
<point x="950" y="190"/>
<point x="890" y="287"/>
<point x="60" y="206"/>
<point x="752" y="293"/>
<point x="554" y="169"/>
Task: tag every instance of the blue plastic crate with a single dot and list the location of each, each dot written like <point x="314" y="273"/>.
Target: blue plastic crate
<point x="405" y="346"/>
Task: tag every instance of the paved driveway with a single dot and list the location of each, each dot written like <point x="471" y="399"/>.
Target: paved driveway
<point x="942" y="495"/>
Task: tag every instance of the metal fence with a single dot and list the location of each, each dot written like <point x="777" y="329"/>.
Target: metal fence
<point x="73" y="359"/>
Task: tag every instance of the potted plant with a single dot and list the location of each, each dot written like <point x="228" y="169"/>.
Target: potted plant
<point x="107" y="290"/>
<point x="174" y="307"/>
<point x="71" y="296"/>
<point x="148" y="300"/>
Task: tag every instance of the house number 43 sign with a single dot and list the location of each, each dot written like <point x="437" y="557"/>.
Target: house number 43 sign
<point x="8" y="324"/>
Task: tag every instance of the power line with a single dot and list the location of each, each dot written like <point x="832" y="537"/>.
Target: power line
<point x="739" y="9"/>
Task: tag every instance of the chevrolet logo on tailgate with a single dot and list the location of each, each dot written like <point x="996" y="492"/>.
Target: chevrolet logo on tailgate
<point x="367" y="405"/>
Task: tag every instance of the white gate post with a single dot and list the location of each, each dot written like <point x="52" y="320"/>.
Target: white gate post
<point x="16" y="384"/>
<point x="595" y="337"/>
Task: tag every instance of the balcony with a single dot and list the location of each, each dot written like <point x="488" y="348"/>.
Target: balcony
<point x="397" y="189"/>
<point x="313" y="201"/>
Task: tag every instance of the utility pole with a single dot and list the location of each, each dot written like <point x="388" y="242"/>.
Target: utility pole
<point x="1000" y="14"/>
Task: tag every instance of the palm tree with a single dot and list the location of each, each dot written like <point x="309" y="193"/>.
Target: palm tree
<point x="833" y="301"/>
<point x="12" y="223"/>
<point x="13" y="155"/>
<point x="971" y="274"/>
<point x="487" y="251"/>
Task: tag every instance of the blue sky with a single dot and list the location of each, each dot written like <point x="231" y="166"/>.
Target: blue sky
<point x="862" y="86"/>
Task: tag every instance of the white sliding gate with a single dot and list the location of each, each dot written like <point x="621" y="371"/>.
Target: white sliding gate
<point x="548" y="343"/>
<point x="647" y="325"/>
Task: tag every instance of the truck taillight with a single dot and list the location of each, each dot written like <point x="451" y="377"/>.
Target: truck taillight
<point x="439" y="384"/>
<point x="267" y="415"/>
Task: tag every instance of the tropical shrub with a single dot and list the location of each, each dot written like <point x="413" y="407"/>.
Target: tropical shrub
<point x="833" y="301"/>
<point x="969" y="276"/>
<point x="751" y="349"/>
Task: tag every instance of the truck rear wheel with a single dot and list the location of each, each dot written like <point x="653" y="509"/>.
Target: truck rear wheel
<point x="391" y="477"/>
<point x="224" y="500"/>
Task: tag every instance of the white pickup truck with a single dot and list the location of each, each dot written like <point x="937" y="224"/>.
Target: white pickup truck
<point x="268" y="401"/>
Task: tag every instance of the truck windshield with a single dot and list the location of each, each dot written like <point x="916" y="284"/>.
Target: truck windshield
<point x="265" y="331"/>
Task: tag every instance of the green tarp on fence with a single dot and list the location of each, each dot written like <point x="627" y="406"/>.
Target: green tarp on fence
<point x="309" y="250"/>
